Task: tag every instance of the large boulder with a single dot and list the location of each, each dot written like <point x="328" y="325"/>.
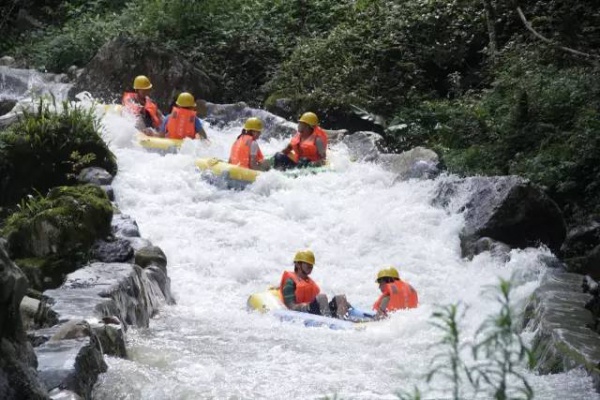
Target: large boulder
<point x="508" y="209"/>
<point x="118" y="62"/>
<point x="363" y="146"/>
<point x="564" y="337"/>
<point x="51" y="235"/>
<point x="416" y="163"/>
<point x="18" y="377"/>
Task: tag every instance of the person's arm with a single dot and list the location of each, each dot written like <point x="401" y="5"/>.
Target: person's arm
<point x="254" y="163"/>
<point x="200" y="132"/>
<point x="289" y="297"/>
<point x="322" y="150"/>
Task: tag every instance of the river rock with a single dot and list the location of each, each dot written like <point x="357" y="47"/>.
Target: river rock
<point x="18" y="376"/>
<point x="587" y="264"/>
<point x="6" y="105"/>
<point x="581" y="240"/>
<point x="112" y="70"/>
<point x="151" y="255"/>
<point x="237" y="113"/>
<point x="95" y="175"/>
<point x="124" y="226"/>
<point x="363" y="146"/>
<point x="112" y="250"/>
<point x="418" y="163"/>
<point x="563" y="337"/>
<point x="102" y="290"/>
<point x="7" y="61"/>
<point x="72" y="364"/>
<point x="508" y="209"/>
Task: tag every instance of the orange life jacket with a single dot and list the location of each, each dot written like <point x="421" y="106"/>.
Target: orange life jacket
<point x="240" y="151"/>
<point x="181" y="124"/>
<point x="307" y="148"/>
<point x="402" y="295"/>
<point x="306" y="289"/>
<point x="131" y="103"/>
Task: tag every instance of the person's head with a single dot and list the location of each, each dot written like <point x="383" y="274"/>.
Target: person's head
<point x="253" y="126"/>
<point x="303" y="263"/>
<point x="185" y="100"/>
<point x="142" y="85"/>
<point x="307" y="123"/>
<point x="387" y="275"/>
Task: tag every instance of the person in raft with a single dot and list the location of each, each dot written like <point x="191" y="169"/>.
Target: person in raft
<point x="300" y="293"/>
<point x="245" y="151"/>
<point x="182" y="122"/>
<point x="308" y="148"/>
<point x="395" y="293"/>
<point x="138" y="103"/>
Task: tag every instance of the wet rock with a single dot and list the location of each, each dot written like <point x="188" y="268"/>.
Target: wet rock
<point x="117" y="250"/>
<point x="6" y="106"/>
<point x="7" y="61"/>
<point x="419" y="163"/>
<point x="109" y="289"/>
<point x="581" y="239"/>
<point x="36" y="313"/>
<point x="59" y="394"/>
<point x="112" y="70"/>
<point x="72" y="364"/>
<point x="18" y="377"/>
<point x="508" y="209"/>
<point x="335" y="136"/>
<point x="551" y="261"/>
<point x="110" y="193"/>
<point x="587" y="264"/>
<point x="138" y="242"/>
<point x="363" y="146"/>
<point x="236" y="114"/>
<point x="95" y="175"/>
<point x="564" y="338"/>
<point x="159" y="275"/>
<point x="124" y="226"/>
<point x="152" y="255"/>
<point x="112" y="338"/>
<point x="497" y="249"/>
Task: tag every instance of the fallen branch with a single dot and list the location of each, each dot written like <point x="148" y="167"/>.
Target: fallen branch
<point x="544" y="39"/>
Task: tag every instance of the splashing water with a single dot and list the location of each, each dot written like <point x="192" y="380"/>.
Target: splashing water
<point x="224" y="245"/>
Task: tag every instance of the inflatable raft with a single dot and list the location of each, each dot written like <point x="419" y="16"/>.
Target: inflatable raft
<point x="270" y="302"/>
<point x="159" y="144"/>
<point x="235" y="177"/>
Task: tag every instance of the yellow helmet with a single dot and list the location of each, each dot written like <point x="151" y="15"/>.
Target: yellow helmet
<point x="186" y="99"/>
<point x="309" y="118"/>
<point x="306" y="256"/>
<point x="253" y="124"/>
<point x="142" y="82"/>
<point x="389" y="272"/>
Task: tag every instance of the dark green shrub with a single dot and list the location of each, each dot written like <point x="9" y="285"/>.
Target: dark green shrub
<point x="46" y="149"/>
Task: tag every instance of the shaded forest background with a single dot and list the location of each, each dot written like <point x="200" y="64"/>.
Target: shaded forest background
<point x="492" y="91"/>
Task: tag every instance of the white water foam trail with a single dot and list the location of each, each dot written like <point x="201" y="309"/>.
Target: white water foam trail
<point x="224" y="245"/>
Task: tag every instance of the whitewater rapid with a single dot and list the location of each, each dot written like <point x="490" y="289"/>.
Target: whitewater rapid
<point x="223" y="245"/>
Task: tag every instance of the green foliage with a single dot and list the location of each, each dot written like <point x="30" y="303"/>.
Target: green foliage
<point x="498" y="353"/>
<point x="46" y="148"/>
<point x="50" y="236"/>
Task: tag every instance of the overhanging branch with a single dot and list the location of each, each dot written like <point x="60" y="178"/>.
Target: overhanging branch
<point x="550" y="42"/>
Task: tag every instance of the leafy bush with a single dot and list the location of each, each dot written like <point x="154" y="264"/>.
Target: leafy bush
<point x="46" y="148"/>
<point x="498" y="353"/>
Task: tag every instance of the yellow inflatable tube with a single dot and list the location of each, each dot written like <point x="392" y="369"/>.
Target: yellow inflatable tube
<point x="229" y="171"/>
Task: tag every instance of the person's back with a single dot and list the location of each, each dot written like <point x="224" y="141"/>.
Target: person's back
<point x="395" y="293"/>
<point x="245" y="151"/>
<point x="139" y="104"/>
<point x="183" y="121"/>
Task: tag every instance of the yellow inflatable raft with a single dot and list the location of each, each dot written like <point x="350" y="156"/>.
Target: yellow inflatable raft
<point x="158" y="143"/>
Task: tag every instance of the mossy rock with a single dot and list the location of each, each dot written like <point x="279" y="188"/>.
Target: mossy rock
<point x="46" y="272"/>
<point x="63" y="224"/>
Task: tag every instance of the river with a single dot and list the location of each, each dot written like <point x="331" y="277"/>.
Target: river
<point x="224" y="245"/>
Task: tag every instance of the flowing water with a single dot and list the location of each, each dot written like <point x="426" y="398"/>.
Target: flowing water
<point x="223" y="245"/>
